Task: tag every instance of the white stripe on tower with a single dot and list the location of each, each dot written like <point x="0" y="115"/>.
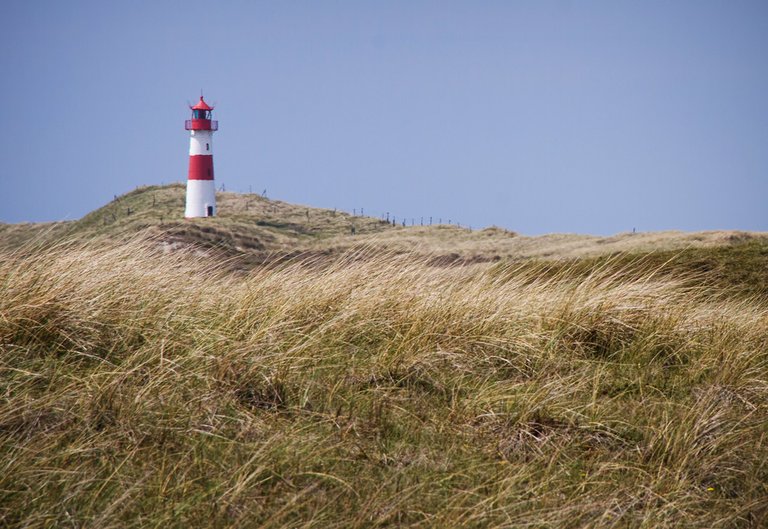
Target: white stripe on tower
<point x="201" y="143"/>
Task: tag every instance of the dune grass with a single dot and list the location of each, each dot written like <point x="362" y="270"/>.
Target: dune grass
<point x="244" y="222"/>
<point x="150" y="389"/>
<point x="255" y="228"/>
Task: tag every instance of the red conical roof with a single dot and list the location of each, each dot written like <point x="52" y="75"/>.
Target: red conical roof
<point x="202" y="105"/>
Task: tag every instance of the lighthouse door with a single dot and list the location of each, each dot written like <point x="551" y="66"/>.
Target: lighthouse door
<point x="209" y="211"/>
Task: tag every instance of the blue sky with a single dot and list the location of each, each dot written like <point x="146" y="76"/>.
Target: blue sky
<point x="590" y="116"/>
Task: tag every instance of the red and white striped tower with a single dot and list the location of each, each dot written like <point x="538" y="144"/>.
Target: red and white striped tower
<point x="201" y="191"/>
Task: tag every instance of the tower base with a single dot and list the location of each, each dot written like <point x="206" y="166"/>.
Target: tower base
<point x="201" y="199"/>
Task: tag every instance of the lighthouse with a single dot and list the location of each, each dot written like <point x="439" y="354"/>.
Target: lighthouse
<point x="201" y="191"/>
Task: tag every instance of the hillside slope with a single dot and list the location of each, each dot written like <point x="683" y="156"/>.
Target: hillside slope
<point x="245" y="222"/>
<point x="255" y="227"/>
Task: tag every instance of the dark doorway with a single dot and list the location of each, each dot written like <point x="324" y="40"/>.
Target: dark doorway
<point x="209" y="211"/>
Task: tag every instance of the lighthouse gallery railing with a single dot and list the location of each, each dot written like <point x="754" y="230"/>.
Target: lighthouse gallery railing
<point x="201" y="124"/>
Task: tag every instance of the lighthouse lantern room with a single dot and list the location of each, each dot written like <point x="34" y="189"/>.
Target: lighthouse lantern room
<point x="201" y="191"/>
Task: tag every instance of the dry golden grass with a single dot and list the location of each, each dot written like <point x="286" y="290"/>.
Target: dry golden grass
<point x="143" y="388"/>
<point x="496" y="243"/>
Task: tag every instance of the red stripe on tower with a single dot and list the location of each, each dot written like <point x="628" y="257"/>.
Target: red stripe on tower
<point x="201" y="167"/>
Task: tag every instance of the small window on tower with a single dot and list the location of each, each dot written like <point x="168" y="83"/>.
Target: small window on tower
<point x="207" y="147"/>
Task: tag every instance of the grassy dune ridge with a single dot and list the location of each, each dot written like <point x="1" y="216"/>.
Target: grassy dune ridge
<point x="253" y="228"/>
<point x="148" y="388"/>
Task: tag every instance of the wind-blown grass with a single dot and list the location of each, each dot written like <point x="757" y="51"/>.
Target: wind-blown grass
<point x="142" y="388"/>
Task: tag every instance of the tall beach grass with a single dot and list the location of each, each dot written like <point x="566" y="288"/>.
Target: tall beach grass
<point x="143" y="388"/>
